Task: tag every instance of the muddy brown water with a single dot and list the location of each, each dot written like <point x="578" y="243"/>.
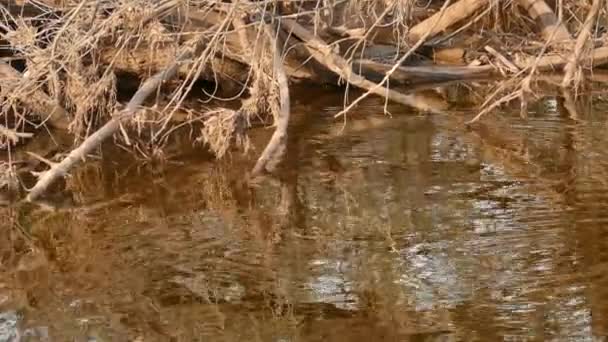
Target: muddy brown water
<point x="402" y="228"/>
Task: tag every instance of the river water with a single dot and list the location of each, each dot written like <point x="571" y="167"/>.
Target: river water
<point x="382" y="228"/>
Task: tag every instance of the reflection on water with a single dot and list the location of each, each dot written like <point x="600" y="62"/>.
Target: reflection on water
<point x="404" y="228"/>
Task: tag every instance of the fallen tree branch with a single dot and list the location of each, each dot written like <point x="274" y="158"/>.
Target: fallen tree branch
<point x="278" y="142"/>
<point x="324" y="54"/>
<point x="597" y="57"/>
<point x="416" y="75"/>
<point x="389" y="94"/>
<point x="441" y="20"/>
<point x="94" y="140"/>
<point x="141" y="61"/>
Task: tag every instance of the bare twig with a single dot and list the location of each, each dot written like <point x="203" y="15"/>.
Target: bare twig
<point x="504" y="60"/>
<point x="380" y="89"/>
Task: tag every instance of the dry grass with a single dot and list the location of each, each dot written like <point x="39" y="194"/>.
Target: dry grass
<point x="219" y="128"/>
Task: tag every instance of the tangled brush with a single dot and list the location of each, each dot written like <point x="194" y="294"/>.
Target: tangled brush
<point x="221" y="127"/>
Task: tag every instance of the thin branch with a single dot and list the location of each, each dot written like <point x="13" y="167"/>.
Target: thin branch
<point x="96" y="139"/>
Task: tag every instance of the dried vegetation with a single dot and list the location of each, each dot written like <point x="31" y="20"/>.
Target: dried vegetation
<point x="64" y="62"/>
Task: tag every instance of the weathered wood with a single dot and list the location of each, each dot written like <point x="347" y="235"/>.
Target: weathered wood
<point x="414" y="75"/>
<point x="556" y="62"/>
<point x="450" y="55"/>
<point x="439" y="22"/>
<point x="323" y="53"/>
<point x="275" y="148"/>
<point x="144" y="61"/>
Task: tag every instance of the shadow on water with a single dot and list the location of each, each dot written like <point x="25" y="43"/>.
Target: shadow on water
<point x="386" y="228"/>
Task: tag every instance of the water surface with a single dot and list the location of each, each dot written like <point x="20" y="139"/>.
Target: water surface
<point x="382" y="228"/>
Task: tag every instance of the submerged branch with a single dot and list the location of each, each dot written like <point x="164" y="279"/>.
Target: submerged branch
<point x="277" y="144"/>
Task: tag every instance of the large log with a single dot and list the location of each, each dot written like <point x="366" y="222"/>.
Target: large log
<point x="143" y="61"/>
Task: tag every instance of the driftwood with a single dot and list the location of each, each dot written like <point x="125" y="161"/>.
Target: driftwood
<point x="146" y="61"/>
<point x="556" y="62"/>
<point x="417" y="75"/>
<point x="442" y="20"/>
